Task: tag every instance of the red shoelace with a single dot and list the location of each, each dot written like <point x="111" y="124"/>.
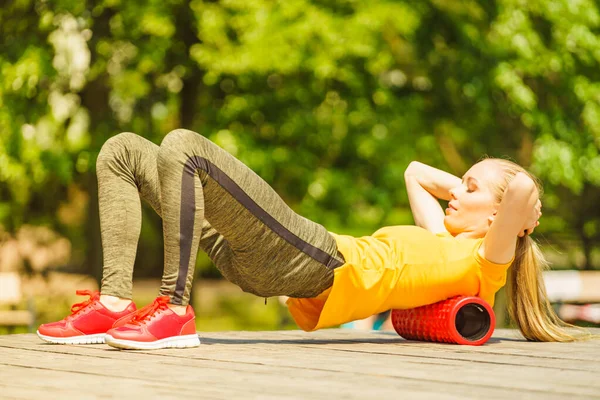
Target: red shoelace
<point x="160" y="303"/>
<point x="76" y="308"/>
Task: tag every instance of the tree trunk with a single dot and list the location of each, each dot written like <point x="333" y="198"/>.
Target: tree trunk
<point x="587" y="251"/>
<point x="192" y="80"/>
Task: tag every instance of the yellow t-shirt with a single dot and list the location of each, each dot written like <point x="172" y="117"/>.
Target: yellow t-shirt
<point x="399" y="267"/>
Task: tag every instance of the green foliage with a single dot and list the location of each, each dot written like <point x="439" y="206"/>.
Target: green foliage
<point x="328" y="101"/>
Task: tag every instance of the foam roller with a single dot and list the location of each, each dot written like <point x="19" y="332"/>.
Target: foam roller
<point x="462" y="320"/>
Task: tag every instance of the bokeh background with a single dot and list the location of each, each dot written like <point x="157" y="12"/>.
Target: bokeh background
<point x="327" y="100"/>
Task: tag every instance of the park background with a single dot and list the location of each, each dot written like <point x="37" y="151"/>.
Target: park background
<point x="327" y="100"/>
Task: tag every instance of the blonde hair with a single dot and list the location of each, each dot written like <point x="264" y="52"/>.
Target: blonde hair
<point x="528" y="303"/>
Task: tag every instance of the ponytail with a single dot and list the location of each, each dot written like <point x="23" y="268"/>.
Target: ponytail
<point x="528" y="304"/>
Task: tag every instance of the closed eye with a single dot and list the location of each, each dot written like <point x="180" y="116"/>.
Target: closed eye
<point x="471" y="187"/>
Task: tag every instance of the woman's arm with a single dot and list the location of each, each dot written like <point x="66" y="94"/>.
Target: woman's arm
<point x="517" y="215"/>
<point x="425" y="185"/>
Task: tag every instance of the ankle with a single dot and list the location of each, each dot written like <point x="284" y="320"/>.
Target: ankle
<point x="113" y="303"/>
<point x="178" y="309"/>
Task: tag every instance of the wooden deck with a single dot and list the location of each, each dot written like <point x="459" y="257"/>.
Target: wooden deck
<point x="328" y="364"/>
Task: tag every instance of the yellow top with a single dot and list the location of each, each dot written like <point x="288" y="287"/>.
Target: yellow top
<point x="399" y="267"/>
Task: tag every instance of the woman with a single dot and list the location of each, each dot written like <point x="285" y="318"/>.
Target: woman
<point x="209" y="199"/>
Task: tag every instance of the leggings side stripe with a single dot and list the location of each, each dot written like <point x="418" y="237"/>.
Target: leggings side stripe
<point x="188" y="208"/>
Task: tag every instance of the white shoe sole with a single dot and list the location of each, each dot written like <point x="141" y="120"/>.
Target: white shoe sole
<point x="175" y="342"/>
<point x="83" y="339"/>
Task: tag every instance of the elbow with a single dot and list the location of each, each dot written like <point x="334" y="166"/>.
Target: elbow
<point x="523" y="184"/>
<point x="522" y="189"/>
<point x="412" y="169"/>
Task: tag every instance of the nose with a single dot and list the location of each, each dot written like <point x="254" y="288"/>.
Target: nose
<point x="453" y="193"/>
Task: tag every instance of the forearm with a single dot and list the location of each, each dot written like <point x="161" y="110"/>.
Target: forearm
<point x="425" y="185"/>
<point x="426" y="209"/>
<point x="435" y="181"/>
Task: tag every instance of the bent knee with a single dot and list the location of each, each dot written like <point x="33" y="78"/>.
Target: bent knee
<point x="180" y="137"/>
<point x="116" y="146"/>
<point x="183" y="143"/>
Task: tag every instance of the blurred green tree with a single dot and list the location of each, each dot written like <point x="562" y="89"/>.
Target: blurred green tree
<point x="328" y="101"/>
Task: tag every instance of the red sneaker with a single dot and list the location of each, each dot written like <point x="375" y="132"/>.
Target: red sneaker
<point x="87" y="324"/>
<point x="156" y="326"/>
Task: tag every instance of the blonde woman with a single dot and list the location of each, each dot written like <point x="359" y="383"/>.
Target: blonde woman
<point x="211" y="201"/>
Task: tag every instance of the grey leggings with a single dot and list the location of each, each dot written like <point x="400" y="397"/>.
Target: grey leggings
<point x="207" y="199"/>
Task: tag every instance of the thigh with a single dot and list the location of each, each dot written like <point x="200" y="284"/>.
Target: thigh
<point x="264" y="261"/>
<point x="275" y="250"/>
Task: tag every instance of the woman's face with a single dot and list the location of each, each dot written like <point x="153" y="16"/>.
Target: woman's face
<point x="473" y="204"/>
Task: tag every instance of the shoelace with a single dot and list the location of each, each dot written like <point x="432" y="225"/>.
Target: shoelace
<point x="76" y="308"/>
<point x="160" y="303"/>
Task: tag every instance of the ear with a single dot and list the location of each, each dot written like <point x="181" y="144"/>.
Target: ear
<point x="492" y="217"/>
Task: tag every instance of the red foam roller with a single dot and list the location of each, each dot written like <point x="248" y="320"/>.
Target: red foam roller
<point x="461" y="320"/>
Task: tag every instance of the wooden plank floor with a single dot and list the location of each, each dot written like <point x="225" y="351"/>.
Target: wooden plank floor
<point x="328" y="364"/>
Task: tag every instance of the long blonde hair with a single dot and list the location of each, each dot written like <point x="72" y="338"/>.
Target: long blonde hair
<point x="528" y="304"/>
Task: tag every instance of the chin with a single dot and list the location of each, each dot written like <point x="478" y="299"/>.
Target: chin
<point x="453" y="230"/>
